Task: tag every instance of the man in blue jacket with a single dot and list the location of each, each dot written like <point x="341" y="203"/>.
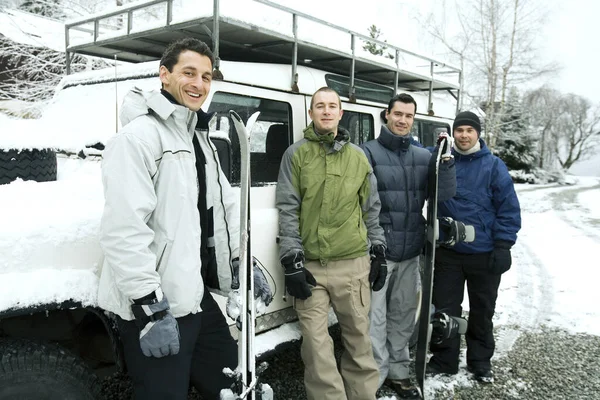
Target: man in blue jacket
<point x="401" y="170"/>
<point x="485" y="198"/>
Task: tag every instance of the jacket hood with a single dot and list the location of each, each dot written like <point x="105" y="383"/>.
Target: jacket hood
<point x="393" y="142"/>
<point x="138" y="102"/>
<point x="337" y="141"/>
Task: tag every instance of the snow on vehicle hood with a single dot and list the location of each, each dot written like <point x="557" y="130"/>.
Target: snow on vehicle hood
<point x="49" y="245"/>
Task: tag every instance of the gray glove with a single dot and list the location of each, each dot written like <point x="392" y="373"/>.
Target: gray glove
<point x="159" y="331"/>
<point x="262" y="290"/>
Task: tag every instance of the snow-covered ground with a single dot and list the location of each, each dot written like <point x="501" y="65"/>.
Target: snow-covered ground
<point x="48" y="238"/>
<point x="554" y="277"/>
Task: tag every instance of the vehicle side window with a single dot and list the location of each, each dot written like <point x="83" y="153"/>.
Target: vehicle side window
<point x="269" y="138"/>
<point x="360" y="126"/>
<point x="430" y="132"/>
<point x="416" y="131"/>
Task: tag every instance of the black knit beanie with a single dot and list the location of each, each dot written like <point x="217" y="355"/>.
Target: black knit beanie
<point x="467" y="118"/>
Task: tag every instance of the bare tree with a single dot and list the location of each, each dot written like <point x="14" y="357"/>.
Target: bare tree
<point x="64" y="9"/>
<point x="30" y="73"/>
<point x="497" y="40"/>
<point x="577" y="131"/>
<point x="458" y="45"/>
<point x="545" y="107"/>
<point x="33" y="72"/>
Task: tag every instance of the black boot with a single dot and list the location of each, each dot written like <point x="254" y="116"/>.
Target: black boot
<point x="482" y="374"/>
<point x="404" y="388"/>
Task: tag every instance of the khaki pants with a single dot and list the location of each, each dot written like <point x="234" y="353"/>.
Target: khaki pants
<point x="344" y="285"/>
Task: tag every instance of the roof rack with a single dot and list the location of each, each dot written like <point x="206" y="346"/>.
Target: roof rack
<point x="123" y="34"/>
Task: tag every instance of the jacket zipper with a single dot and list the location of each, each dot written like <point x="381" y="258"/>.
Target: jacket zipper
<point x="191" y="129"/>
<point x="220" y="199"/>
<point x="407" y="202"/>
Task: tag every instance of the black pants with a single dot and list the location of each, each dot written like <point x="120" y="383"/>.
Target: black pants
<point x="206" y="347"/>
<point x="452" y="270"/>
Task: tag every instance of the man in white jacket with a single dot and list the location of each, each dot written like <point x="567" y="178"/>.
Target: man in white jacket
<point x="170" y="230"/>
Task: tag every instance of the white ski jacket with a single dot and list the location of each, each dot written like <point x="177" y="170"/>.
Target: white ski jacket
<point x="150" y="229"/>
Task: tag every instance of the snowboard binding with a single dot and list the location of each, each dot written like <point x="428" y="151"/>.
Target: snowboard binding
<point x="452" y="232"/>
<point x="444" y="326"/>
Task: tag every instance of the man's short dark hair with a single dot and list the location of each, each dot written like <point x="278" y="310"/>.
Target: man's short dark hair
<point x="403" y="98"/>
<point x="171" y="54"/>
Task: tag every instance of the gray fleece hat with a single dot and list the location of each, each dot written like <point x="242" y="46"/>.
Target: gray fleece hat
<point x="467" y="118"/>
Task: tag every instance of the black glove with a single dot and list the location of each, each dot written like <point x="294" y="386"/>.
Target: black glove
<point x="297" y="278"/>
<point x="445" y="141"/>
<point x="500" y="259"/>
<point x="378" y="272"/>
<point x="159" y="331"/>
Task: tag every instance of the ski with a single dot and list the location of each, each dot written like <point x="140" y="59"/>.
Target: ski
<point x="425" y="327"/>
<point x="248" y="374"/>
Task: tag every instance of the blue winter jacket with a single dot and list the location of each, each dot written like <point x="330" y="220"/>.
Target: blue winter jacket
<point x="401" y="170"/>
<point x="485" y="198"/>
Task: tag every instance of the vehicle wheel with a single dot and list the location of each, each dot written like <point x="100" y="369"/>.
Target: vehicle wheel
<point x="43" y="371"/>
<point x="28" y="164"/>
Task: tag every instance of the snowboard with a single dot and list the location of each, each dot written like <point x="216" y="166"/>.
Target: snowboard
<point x="247" y="373"/>
<point x="424" y="326"/>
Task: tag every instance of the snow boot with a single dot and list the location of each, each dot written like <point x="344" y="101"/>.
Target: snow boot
<point x="482" y="374"/>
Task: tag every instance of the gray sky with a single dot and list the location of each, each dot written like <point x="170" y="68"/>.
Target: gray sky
<point x="572" y="40"/>
<point x="569" y="37"/>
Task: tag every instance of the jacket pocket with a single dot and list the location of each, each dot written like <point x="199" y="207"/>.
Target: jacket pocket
<point x="162" y="256"/>
<point x="361" y="288"/>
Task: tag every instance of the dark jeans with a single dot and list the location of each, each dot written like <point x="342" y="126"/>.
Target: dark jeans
<point x="452" y="270"/>
<point x="206" y="348"/>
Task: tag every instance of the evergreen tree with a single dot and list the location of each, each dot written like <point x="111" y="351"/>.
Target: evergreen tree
<point x="517" y="141"/>
<point x="375" y="48"/>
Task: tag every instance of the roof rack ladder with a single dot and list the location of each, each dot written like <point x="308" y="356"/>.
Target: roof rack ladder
<point x="295" y="87"/>
<point x="169" y="12"/>
<point x="397" y="76"/>
<point x="67" y="52"/>
<point x="430" y="100"/>
<point x="459" y="92"/>
<point x="351" y="94"/>
<point x="217" y="74"/>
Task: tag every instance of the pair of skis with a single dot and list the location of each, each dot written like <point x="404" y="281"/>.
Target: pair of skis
<point x="247" y="373"/>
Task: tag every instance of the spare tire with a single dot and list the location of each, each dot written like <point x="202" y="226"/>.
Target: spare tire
<point x="31" y="370"/>
<point x="28" y="164"/>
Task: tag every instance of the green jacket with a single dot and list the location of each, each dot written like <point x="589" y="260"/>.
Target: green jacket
<point x="327" y="199"/>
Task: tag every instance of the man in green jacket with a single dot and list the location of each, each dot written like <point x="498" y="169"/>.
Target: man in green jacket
<point x="328" y="225"/>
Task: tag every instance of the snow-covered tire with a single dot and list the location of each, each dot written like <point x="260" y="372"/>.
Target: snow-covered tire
<point x="36" y="165"/>
<point x="37" y="370"/>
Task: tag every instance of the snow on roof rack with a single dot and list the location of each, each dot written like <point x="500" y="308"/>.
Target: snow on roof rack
<point x="255" y="31"/>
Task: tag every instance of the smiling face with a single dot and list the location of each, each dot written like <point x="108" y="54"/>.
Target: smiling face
<point x="465" y="137"/>
<point x="400" y="118"/>
<point x="189" y="80"/>
<point x="325" y="112"/>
